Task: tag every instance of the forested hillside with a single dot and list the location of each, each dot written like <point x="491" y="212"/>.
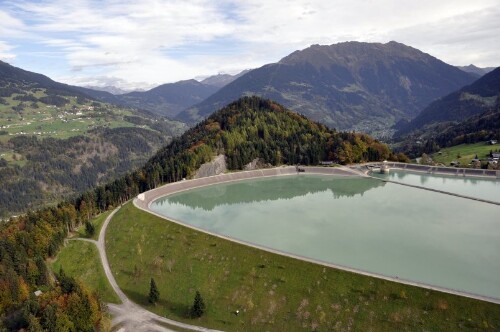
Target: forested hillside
<point x="471" y="100"/>
<point x="43" y="171"/>
<point x="479" y="128"/>
<point x="55" y="141"/>
<point x="246" y="129"/>
<point x="256" y="128"/>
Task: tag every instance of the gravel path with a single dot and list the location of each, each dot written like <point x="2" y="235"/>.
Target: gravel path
<point x="129" y="316"/>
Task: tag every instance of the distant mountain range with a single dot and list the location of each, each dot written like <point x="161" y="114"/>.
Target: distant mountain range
<point x="366" y="87"/>
<point x="474" y="99"/>
<point x="109" y="88"/>
<point x="362" y="86"/>
<point x="476" y="70"/>
<point x="221" y="80"/>
<point x="166" y="99"/>
<point x="169" y="99"/>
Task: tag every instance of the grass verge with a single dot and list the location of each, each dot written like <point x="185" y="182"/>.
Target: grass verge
<point x="272" y="292"/>
<point x="80" y="259"/>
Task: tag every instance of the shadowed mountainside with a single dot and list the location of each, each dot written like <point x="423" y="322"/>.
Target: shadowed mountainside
<point x="352" y="85"/>
<point x="474" y="99"/>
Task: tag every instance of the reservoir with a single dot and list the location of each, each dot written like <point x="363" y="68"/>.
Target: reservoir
<point x="360" y="223"/>
<point x="483" y="188"/>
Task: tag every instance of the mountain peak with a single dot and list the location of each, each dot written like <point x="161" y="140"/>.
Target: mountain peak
<point x="476" y="70"/>
<point x="352" y="53"/>
<point x="352" y="85"/>
<point x="221" y="79"/>
<point x="187" y="82"/>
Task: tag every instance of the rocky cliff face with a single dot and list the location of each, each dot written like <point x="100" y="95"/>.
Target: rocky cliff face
<point x="214" y="167"/>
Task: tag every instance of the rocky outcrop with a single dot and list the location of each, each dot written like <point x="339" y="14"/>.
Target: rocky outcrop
<point x="214" y="167"/>
<point x="257" y="163"/>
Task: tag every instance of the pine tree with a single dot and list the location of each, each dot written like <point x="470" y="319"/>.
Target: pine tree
<point x="89" y="228"/>
<point x="154" y="294"/>
<point x="198" y="308"/>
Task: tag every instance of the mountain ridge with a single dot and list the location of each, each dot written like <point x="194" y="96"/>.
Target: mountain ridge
<point x="476" y="70"/>
<point x="221" y="80"/>
<point x="169" y="99"/>
<point x="348" y="85"/>
<point x="476" y="98"/>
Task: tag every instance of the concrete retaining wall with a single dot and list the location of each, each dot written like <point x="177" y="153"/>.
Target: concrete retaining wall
<point x="146" y="198"/>
<point x="440" y="170"/>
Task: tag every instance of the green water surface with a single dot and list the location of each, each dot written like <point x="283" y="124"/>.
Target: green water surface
<point x="361" y="223"/>
<point x="483" y="188"/>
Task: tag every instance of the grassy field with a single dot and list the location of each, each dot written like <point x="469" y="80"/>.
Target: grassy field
<point x="81" y="260"/>
<point x="12" y="157"/>
<point x="61" y="122"/>
<point x="467" y="152"/>
<point x="97" y="221"/>
<point x="272" y="292"/>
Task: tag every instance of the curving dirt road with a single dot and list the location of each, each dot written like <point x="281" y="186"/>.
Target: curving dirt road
<point x="129" y="316"/>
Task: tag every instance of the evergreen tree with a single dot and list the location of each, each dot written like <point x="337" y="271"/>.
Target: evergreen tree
<point x="49" y="319"/>
<point x="154" y="294"/>
<point x="89" y="228"/>
<point x="198" y="308"/>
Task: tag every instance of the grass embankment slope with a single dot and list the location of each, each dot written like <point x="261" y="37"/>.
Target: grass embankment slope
<point x="467" y="152"/>
<point x="97" y="222"/>
<point x="272" y="292"/>
<point x="80" y="259"/>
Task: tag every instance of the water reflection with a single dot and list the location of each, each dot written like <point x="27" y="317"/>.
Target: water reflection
<point x="484" y="188"/>
<point x="271" y="189"/>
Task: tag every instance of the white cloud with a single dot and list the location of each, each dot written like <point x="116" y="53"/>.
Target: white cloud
<point x="5" y="51"/>
<point x="460" y="40"/>
<point x="9" y="25"/>
<point x="158" y="41"/>
<point x="105" y="81"/>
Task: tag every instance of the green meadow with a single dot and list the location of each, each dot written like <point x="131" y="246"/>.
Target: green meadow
<point x="464" y="153"/>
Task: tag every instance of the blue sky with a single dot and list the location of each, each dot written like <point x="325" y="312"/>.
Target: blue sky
<point x="139" y="44"/>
